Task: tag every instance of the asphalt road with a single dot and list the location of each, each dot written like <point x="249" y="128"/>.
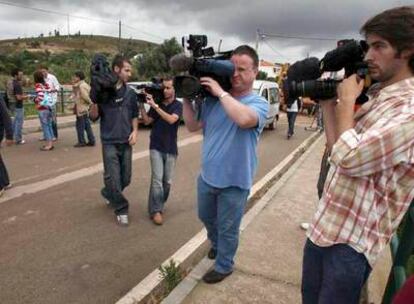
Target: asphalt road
<point x="60" y="244"/>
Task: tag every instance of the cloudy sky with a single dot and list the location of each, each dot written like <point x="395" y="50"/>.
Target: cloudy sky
<point x="289" y="29"/>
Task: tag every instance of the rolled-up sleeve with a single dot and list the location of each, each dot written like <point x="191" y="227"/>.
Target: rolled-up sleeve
<point x="374" y="150"/>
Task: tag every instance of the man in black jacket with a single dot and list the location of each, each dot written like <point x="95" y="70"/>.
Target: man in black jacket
<point x="5" y="127"/>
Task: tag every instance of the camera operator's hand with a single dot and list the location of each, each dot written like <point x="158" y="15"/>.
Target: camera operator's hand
<point x="349" y="90"/>
<point x="150" y="100"/>
<point x="132" y="140"/>
<point x="211" y="86"/>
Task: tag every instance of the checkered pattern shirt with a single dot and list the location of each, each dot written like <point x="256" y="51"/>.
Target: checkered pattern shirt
<point x="370" y="184"/>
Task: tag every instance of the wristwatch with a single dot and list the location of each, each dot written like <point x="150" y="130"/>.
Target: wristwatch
<point x="224" y="94"/>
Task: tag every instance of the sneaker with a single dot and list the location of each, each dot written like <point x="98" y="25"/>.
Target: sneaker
<point x="89" y="144"/>
<point x="212" y="254"/>
<point x="122" y="219"/>
<point x="213" y="276"/>
<point x="8" y="186"/>
<point x="157" y="219"/>
<point x="304" y="226"/>
<point x="20" y="142"/>
<point x="79" y="145"/>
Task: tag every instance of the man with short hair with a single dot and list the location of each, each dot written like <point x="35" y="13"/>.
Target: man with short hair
<point x="16" y="98"/>
<point x="54" y="86"/>
<point x="231" y="123"/>
<point x="165" y="119"/>
<point x="81" y="91"/>
<point x="118" y="111"/>
<point x="370" y="183"/>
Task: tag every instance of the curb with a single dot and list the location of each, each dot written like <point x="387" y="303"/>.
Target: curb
<point x="63" y="125"/>
<point x="191" y="253"/>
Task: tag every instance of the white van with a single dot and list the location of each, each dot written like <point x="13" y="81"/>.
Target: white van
<point x="270" y="91"/>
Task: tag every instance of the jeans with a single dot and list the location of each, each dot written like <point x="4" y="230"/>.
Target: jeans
<point x="334" y="274"/>
<point x="162" y="168"/>
<point x="221" y="211"/>
<point x="18" y="124"/>
<point x="45" y="117"/>
<point x="291" y="120"/>
<point x="117" y="160"/>
<point x="83" y="124"/>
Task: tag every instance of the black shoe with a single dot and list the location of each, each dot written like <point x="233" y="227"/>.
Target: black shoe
<point x="79" y="145"/>
<point x="89" y="144"/>
<point x="212" y="254"/>
<point x="213" y="276"/>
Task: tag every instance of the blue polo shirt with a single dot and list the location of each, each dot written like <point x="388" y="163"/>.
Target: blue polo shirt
<point x="229" y="152"/>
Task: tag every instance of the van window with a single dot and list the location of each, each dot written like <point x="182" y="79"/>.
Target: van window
<point x="265" y="94"/>
<point x="274" y="95"/>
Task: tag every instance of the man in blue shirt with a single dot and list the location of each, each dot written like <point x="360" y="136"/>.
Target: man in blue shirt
<point x="165" y="119"/>
<point x="231" y="123"/>
<point x="118" y="111"/>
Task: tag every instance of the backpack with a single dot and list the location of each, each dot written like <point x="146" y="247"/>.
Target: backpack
<point x="103" y="80"/>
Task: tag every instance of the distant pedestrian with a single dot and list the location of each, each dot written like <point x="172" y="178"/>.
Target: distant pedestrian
<point x="81" y="91"/>
<point x="292" y="112"/>
<point x="54" y="87"/>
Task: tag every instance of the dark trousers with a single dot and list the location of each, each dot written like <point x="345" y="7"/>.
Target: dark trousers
<point x="117" y="160"/>
<point x="83" y="124"/>
<point x="54" y="122"/>
<point x="4" y="176"/>
<point x="334" y="274"/>
<point x="291" y="121"/>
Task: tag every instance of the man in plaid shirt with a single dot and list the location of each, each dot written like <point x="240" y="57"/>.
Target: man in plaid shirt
<point x="370" y="184"/>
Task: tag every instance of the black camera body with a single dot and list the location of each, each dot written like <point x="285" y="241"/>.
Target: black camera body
<point x="154" y="88"/>
<point x="203" y="63"/>
<point x="302" y="76"/>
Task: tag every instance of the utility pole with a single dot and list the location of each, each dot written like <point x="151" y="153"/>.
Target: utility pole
<point x="119" y="39"/>
<point x="257" y="39"/>
<point x="68" y="25"/>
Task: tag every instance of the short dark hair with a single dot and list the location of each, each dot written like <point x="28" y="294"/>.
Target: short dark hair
<point x="80" y="75"/>
<point x="167" y="78"/>
<point x="395" y="25"/>
<point x="38" y="77"/>
<point x="14" y="72"/>
<point x="119" y="61"/>
<point x="249" y="51"/>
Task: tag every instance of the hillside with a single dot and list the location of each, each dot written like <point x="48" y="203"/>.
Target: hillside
<point x="63" y="55"/>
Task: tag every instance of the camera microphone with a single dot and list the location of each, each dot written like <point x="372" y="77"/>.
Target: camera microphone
<point x="181" y="62"/>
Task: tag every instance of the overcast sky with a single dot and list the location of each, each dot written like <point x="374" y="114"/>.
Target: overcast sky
<point x="233" y="22"/>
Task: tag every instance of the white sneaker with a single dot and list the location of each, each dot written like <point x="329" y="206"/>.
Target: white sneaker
<point x="8" y="186"/>
<point x="304" y="226"/>
<point x="122" y="219"/>
<point x="22" y="142"/>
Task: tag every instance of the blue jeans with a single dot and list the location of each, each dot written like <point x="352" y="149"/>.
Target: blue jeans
<point x="334" y="274"/>
<point x="162" y="169"/>
<point x="291" y="120"/>
<point x="117" y="160"/>
<point x="221" y="211"/>
<point x="18" y="124"/>
<point x="83" y="124"/>
<point x="45" y="117"/>
<point x="54" y="121"/>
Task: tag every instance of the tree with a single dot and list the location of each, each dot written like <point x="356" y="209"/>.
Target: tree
<point x="154" y="60"/>
<point x="261" y="75"/>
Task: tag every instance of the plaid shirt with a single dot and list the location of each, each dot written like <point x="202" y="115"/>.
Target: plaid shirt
<point x="370" y="184"/>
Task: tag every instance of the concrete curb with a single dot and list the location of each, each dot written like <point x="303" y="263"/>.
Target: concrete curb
<point x="195" y="249"/>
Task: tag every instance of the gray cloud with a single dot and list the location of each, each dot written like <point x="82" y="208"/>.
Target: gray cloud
<point x="235" y="22"/>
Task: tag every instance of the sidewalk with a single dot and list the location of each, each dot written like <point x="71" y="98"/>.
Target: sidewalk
<point x="269" y="260"/>
<point x="33" y="125"/>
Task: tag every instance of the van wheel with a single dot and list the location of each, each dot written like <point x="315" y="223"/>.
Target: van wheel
<point x="272" y="125"/>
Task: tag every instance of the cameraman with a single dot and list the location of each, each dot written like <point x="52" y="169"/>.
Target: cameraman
<point x="119" y="131"/>
<point x="370" y="183"/>
<point x="165" y="119"/>
<point x="231" y="123"/>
